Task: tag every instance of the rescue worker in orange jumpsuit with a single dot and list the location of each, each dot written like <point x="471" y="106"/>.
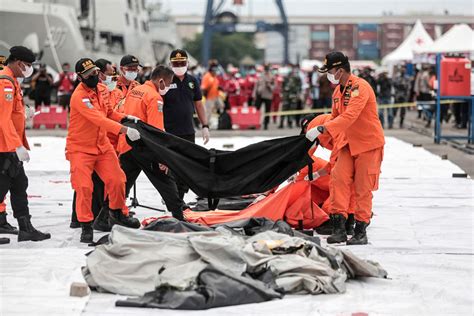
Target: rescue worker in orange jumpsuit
<point x="88" y="149"/>
<point x="13" y="144"/>
<point x="354" y="117"/>
<point x="146" y="103"/>
<point x="126" y="81"/>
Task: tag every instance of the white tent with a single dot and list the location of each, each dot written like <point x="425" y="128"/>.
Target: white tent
<point x="416" y="40"/>
<point x="459" y="39"/>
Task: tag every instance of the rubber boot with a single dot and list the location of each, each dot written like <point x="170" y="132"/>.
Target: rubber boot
<point x="116" y="217"/>
<point x="101" y="223"/>
<point x="360" y="235"/>
<point x="350" y="224"/>
<point x="325" y="228"/>
<point x="87" y="234"/>
<point x="5" y="227"/>
<point x="28" y="232"/>
<point x="339" y="229"/>
<point x="4" y="240"/>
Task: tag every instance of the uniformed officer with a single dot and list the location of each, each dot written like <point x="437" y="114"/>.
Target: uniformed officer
<point x="291" y="91"/>
<point x="146" y="103"/>
<point x="354" y="116"/>
<point x="126" y="81"/>
<point x="88" y="149"/>
<point x="182" y="100"/>
<point x="13" y="144"/>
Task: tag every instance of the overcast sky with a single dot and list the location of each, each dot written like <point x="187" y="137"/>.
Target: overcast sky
<point x="329" y="7"/>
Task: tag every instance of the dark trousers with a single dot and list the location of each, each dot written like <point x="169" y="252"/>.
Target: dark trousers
<point x="44" y="99"/>
<point x="268" y="105"/>
<point x="132" y="164"/>
<point x="97" y="198"/>
<point x="13" y="179"/>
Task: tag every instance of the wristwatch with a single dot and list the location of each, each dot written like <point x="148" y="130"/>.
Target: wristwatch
<point x="205" y="126"/>
<point x="320" y="129"/>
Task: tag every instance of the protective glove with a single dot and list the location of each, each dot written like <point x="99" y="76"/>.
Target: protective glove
<point x="313" y="133"/>
<point x="205" y="135"/>
<point x="22" y="154"/>
<point x="133" y="118"/>
<point x="133" y="134"/>
<point x="316" y="175"/>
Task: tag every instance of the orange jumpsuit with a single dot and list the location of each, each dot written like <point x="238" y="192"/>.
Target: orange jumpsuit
<point x="355" y="118"/>
<point x="116" y="97"/>
<point x="12" y="117"/>
<point x="122" y="87"/>
<point x="88" y="149"/>
<point x="145" y="103"/>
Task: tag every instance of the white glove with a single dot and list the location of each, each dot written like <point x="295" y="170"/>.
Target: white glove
<point x="316" y="175"/>
<point x="133" y="118"/>
<point x="133" y="134"/>
<point x="293" y="178"/>
<point x="205" y="135"/>
<point x="22" y="154"/>
<point x="313" y="133"/>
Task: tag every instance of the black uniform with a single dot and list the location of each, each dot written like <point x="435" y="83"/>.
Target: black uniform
<point x="178" y="113"/>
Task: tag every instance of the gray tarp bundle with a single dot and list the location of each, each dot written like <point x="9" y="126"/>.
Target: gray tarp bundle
<point x="200" y="270"/>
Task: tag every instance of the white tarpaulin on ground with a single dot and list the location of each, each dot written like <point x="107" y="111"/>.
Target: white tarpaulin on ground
<point x="416" y="40"/>
<point x="421" y="233"/>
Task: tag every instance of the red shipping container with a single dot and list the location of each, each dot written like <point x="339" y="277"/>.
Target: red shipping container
<point x="245" y="117"/>
<point x="367" y="36"/>
<point x="455" y="77"/>
<point x="50" y="117"/>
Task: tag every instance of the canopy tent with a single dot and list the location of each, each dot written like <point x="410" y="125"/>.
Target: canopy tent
<point x="416" y="40"/>
<point x="459" y="39"/>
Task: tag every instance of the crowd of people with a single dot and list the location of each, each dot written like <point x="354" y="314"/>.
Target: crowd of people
<point x="104" y="100"/>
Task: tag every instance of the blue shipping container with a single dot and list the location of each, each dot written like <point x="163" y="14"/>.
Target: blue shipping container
<point x="367" y="27"/>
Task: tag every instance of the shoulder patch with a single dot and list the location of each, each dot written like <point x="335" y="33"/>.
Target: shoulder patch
<point x="355" y="91"/>
<point x="87" y="103"/>
<point x="191" y="84"/>
<point x="9" y="96"/>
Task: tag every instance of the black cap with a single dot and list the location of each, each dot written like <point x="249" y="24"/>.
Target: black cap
<point x="21" y="53"/>
<point x="129" y="60"/>
<point x="102" y="64"/>
<point x="333" y="59"/>
<point x="84" y="66"/>
<point x="178" y="55"/>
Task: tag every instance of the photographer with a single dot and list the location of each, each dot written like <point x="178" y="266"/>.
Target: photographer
<point x="42" y="83"/>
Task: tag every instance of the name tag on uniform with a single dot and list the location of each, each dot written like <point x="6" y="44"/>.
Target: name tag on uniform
<point x="173" y="86"/>
<point x="88" y="103"/>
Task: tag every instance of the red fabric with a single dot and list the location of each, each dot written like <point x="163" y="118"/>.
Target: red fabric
<point x="292" y="204"/>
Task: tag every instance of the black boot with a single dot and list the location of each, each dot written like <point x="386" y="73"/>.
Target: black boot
<point x="101" y="223"/>
<point x="87" y="234"/>
<point x="350" y="224"/>
<point x="117" y="217"/>
<point x="28" y="232"/>
<point x="339" y="229"/>
<point x="325" y="228"/>
<point x="360" y="235"/>
<point x="5" y="227"/>
<point x="4" y="240"/>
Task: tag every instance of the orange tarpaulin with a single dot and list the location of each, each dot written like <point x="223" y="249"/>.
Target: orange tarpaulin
<point x="292" y="203"/>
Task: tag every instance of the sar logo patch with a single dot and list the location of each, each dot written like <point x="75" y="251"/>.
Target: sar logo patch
<point x="355" y="92"/>
<point x="9" y="96"/>
<point x="160" y="106"/>
<point x="191" y="85"/>
<point x="88" y="103"/>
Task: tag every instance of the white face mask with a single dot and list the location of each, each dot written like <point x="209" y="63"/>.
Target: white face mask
<point x="109" y="83"/>
<point x="179" y="71"/>
<point x="163" y="91"/>
<point x="332" y="79"/>
<point x="130" y="75"/>
<point x="20" y="80"/>
<point x="27" y="72"/>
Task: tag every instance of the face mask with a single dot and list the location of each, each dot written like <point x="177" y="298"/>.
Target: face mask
<point x="163" y="91"/>
<point x="92" y="81"/>
<point x="27" y="72"/>
<point x="20" y="80"/>
<point x="179" y="71"/>
<point x="130" y="75"/>
<point x="332" y="78"/>
<point x="109" y="83"/>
